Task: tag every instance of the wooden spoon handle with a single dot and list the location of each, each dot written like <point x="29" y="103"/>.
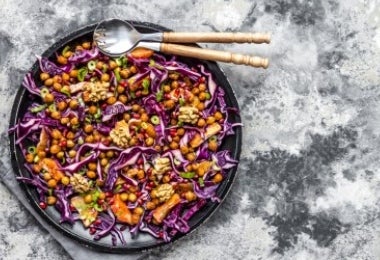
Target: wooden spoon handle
<point x="225" y="37"/>
<point x="214" y="55"/>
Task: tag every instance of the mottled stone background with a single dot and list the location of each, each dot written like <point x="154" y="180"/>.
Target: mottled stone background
<point x="308" y="181"/>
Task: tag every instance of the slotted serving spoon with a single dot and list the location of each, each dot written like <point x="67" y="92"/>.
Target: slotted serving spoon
<point x="115" y="37"/>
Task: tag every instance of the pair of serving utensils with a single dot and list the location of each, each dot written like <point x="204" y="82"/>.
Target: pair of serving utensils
<point x="115" y="37"/>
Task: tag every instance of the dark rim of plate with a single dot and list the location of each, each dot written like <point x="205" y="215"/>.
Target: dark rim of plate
<point x="19" y="107"/>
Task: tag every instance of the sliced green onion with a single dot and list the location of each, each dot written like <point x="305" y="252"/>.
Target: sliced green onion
<point x="151" y="62"/>
<point x="38" y="109"/>
<point x="155" y="120"/>
<point x="32" y="149"/>
<point x="159" y="96"/>
<point x="105" y="68"/>
<point x="80" y="140"/>
<point x="91" y="65"/>
<point x="180" y="123"/>
<point x="122" y="61"/>
<point x="66" y="92"/>
<point x="44" y="92"/>
<point x="98" y="114"/>
<point x="117" y="75"/>
<point x="66" y="49"/>
<point x="36" y="159"/>
<point x="146" y="84"/>
<point x="187" y="175"/>
<point x="181" y="102"/>
<point x="82" y="73"/>
<point x="97" y="207"/>
<point x="81" y="102"/>
<point x="201" y="182"/>
<point x="117" y="189"/>
<point x="50" y="192"/>
<point x="133" y="95"/>
<point x="208" y="96"/>
<point x="52" y="108"/>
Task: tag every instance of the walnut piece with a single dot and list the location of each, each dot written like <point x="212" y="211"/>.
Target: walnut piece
<point x="120" y="134"/>
<point x="164" y="192"/>
<point x="98" y="90"/>
<point x="161" y="165"/>
<point x="80" y="184"/>
<point x="188" y="114"/>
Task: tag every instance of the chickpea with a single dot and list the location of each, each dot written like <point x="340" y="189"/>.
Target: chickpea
<point x="112" y="65"/>
<point x="91" y="174"/>
<point x="111" y="100"/>
<point x="88" y="128"/>
<point x="88" y="198"/>
<point x="104" y="162"/>
<point x="52" y="183"/>
<point x="102" y="155"/>
<point x="55" y="115"/>
<point x="202" y="87"/>
<point x="57" y="86"/>
<point x="29" y="158"/>
<point x="173" y="145"/>
<point x="110" y="154"/>
<point x="62" y="105"/>
<point x="89" y="139"/>
<point x="166" y="179"/>
<point x="133" y="141"/>
<point x="126" y="117"/>
<point x="62" y="60"/>
<point x="213" y="146"/>
<point x="105" y="77"/>
<point x="99" y="65"/>
<point x="72" y="153"/>
<point x="218" y="116"/>
<point x="201" y="122"/>
<point x="135" y="107"/>
<point x="191" y="156"/>
<point x="135" y="218"/>
<point x="65" y="120"/>
<point x="57" y="79"/>
<point x="157" y="148"/>
<point x="133" y="69"/>
<point x="132" y="197"/>
<point x="92" y="166"/>
<point x="180" y="131"/>
<point x="210" y="120"/>
<point x="120" y="89"/>
<point x="195" y="91"/>
<point x="124" y="73"/>
<point x="190" y="196"/>
<point x="73" y="73"/>
<point x="47" y="176"/>
<point x="149" y="141"/>
<point x="51" y="200"/>
<point x="54" y="149"/>
<point x="41" y="154"/>
<point x="184" y="149"/>
<point x="44" y="76"/>
<point x="144" y="117"/>
<point x="138" y="210"/>
<point x="200" y="106"/>
<point x="102" y="195"/>
<point x="70" y="135"/>
<point x="60" y="155"/>
<point x="124" y="196"/>
<point x="73" y="104"/>
<point x="202" y="96"/>
<point x="150" y="205"/>
<point x="166" y="88"/>
<point x="217" y="178"/>
<point x="174" y="84"/>
<point x="48" y="82"/>
<point x="65" y="180"/>
<point x="92" y="110"/>
<point x="169" y="104"/>
<point x="140" y="174"/>
<point x="56" y="134"/>
<point x="48" y="98"/>
<point x="74" y="121"/>
<point x="86" y="45"/>
<point x="176" y="139"/>
<point x="70" y="144"/>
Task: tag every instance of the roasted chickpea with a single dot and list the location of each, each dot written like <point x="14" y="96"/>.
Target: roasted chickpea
<point x="52" y="183"/>
<point x="88" y="128"/>
<point x="190" y="196"/>
<point x="202" y="87"/>
<point x="44" y="76"/>
<point x="62" y="60"/>
<point x="51" y="200"/>
<point x="201" y="122"/>
<point x="105" y="77"/>
<point x="86" y="45"/>
<point x="144" y="117"/>
<point x="202" y="96"/>
<point x="70" y="135"/>
<point x="124" y="196"/>
<point x="29" y="158"/>
<point x="65" y="120"/>
<point x="111" y="100"/>
<point x="169" y="104"/>
<point x="124" y="73"/>
<point x="135" y="107"/>
<point x="57" y="86"/>
<point x="120" y="89"/>
<point x="180" y="131"/>
<point x="103" y="162"/>
<point x="99" y="65"/>
<point x="138" y="210"/>
<point x="56" y="134"/>
<point x="200" y="106"/>
<point x="166" y="88"/>
<point x="55" y="115"/>
<point x="210" y="120"/>
<point x="92" y="166"/>
<point x="54" y="149"/>
<point x="47" y="176"/>
<point x="112" y="65"/>
<point x="133" y="69"/>
<point x="61" y="105"/>
<point x="191" y="156"/>
<point x="213" y="146"/>
<point x="91" y="174"/>
<point x="166" y="179"/>
<point x="174" y="84"/>
<point x="217" y="178"/>
<point x="74" y="121"/>
<point x="195" y="91"/>
<point x="150" y="205"/>
<point x="149" y="141"/>
<point x="73" y="104"/>
<point x="184" y="149"/>
<point x="41" y="154"/>
<point x="65" y="180"/>
<point x="173" y="145"/>
<point x="60" y="155"/>
<point x="48" y="98"/>
<point x="48" y="82"/>
<point x="88" y="198"/>
<point x="72" y="153"/>
<point x="73" y="73"/>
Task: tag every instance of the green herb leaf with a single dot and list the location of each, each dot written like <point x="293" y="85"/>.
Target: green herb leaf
<point x="66" y="49"/>
<point x="146" y="84"/>
<point x="187" y="175"/>
<point x="201" y="182"/>
<point x="38" y="109"/>
<point x="82" y="73"/>
<point x="159" y="96"/>
<point x="117" y="75"/>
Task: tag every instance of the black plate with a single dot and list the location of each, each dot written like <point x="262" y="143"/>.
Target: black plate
<point x="77" y="232"/>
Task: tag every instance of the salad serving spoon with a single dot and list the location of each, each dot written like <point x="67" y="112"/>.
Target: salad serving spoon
<point x="115" y="37"/>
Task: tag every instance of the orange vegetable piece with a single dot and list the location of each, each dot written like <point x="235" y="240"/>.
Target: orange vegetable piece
<point x="162" y="211"/>
<point x="141" y="53"/>
<point x="51" y="167"/>
<point x="121" y="210"/>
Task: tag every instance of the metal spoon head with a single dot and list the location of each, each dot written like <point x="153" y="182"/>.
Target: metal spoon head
<point x="115" y="37"/>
